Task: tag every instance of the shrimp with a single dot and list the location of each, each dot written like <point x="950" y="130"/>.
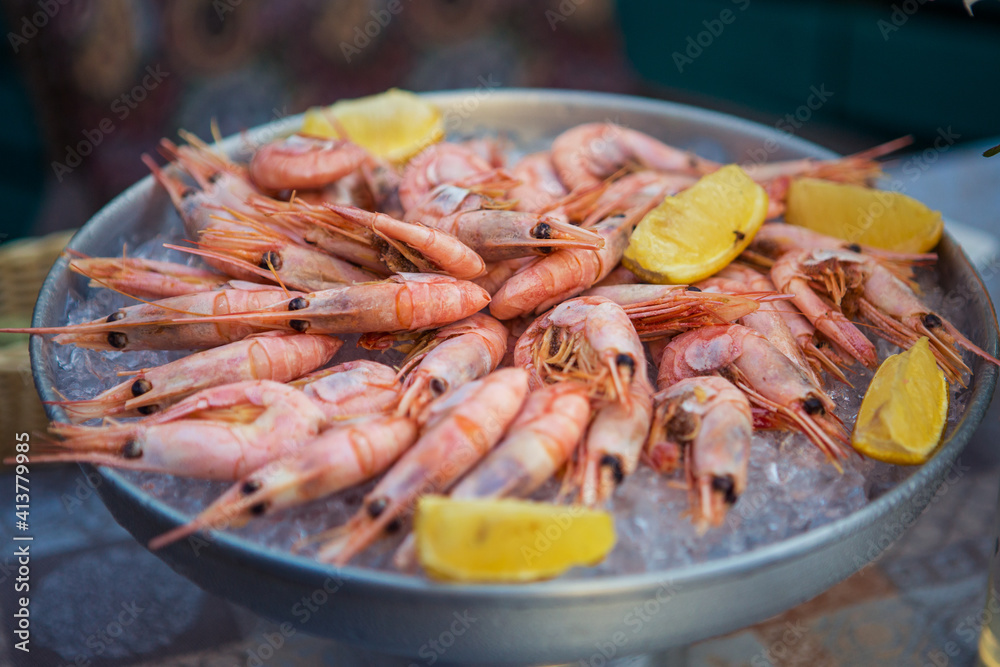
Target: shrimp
<point x="857" y="169"/>
<point x="637" y="190"/>
<point x="337" y="459"/>
<point x="257" y="251"/>
<point x="615" y="440"/>
<point x="350" y="190"/>
<point x="439" y="164"/>
<point x="467" y="424"/>
<point x="408" y="246"/>
<point x="351" y="389"/>
<point x="130" y="328"/>
<point x="145" y="278"/>
<point x="200" y="436"/>
<point x="662" y="310"/>
<point x="403" y="302"/>
<point x="539" y="188"/>
<point x="778" y="320"/>
<point x="445" y="359"/>
<point x="548" y="429"/>
<point x="588" y="339"/>
<point x="497" y="273"/>
<point x="774" y="239"/>
<point x="565" y="273"/>
<point x="301" y="162"/>
<point x="260" y="357"/>
<point x="541" y="440"/>
<point x="587" y="154"/>
<point x="706" y="423"/>
<point x="863" y="287"/>
<point x="769" y="378"/>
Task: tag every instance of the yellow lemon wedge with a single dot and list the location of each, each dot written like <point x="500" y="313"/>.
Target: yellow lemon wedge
<point x="694" y="234"/>
<point x="394" y="125"/>
<point x="905" y="408"/>
<point x="877" y="218"/>
<point x="508" y="540"/>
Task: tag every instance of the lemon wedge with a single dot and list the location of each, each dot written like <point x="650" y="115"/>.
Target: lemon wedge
<point x="694" y="234"/>
<point x="905" y="408"/>
<point x="508" y="540"/>
<point x="878" y="218"/>
<point x="394" y="125"/>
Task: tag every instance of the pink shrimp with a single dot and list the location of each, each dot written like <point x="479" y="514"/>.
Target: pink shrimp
<point x="145" y="278"/>
<point x="615" y="440"/>
<point x="403" y="302"/>
<point x="260" y="357"/>
<point x="774" y="239"/>
<point x="638" y="190"/>
<point x="467" y="425"/>
<point x="587" y="154"/>
<point x="778" y="320"/>
<point x="566" y="272"/>
<point x="438" y="164"/>
<point x="256" y="251"/>
<point x="130" y="328"/>
<point x="444" y="359"/>
<point x="337" y="459"/>
<point x="351" y="389"/>
<point x="706" y="423"/>
<point x="865" y="288"/>
<point x="200" y="436"/>
<point x="663" y="310"/>
<point x="770" y="380"/>
<point x="407" y="246"/>
<point x="300" y="162"/>
<point x="588" y="339"/>
<point x="539" y="189"/>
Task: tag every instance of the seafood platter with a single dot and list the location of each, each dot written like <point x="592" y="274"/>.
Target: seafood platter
<point x="542" y="360"/>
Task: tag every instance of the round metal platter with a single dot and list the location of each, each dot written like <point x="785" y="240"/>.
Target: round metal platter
<point x="560" y="620"/>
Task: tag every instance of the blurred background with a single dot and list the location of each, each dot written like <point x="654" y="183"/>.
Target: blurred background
<point x="88" y="86"/>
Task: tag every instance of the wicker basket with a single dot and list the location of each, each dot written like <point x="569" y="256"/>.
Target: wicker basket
<point x="23" y="266"/>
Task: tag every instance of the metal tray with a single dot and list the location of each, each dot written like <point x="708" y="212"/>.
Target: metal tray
<point x="561" y="620"/>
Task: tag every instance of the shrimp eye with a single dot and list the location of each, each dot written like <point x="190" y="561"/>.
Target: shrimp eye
<point x="132" y="449"/>
<point x="854" y="247"/>
<point x="117" y="340"/>
<point x="250" y="486"/>
<point x="270" y="260"/>
<point x="299" y="325"/>
<point x="188" y="192"/>
<point x="541" y="231"/>
<point x="727" y="487"/>
<point x="438" y="386"/>
<point x="692" y="288"/>
<point x="376" y="507"/>
<point x="148" y="409"/>
<point x="813" y="405"/>
<point x="298" y="303"/>
<point x="932" y="321"/>
<point x="615" y="465"/>
<point x="141" y="386"/>
<point x="393" y="527"/>
<point x="624" y="360"/>
<point x="258" y="509"/>
<point x="215" y="177"/>
<point x="115" y="316"/>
